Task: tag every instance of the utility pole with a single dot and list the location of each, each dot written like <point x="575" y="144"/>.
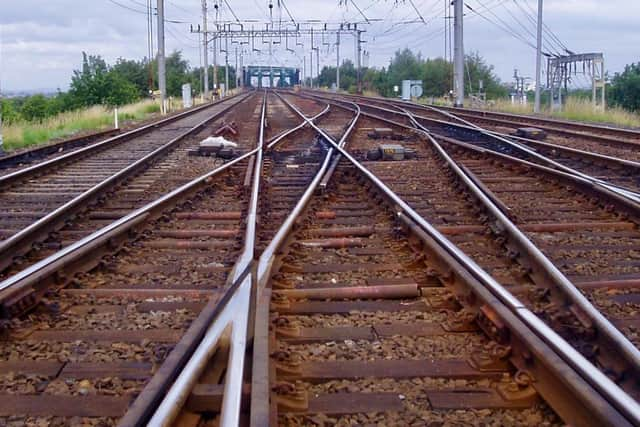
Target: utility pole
<point x="304" y="70"/>
<point x="311" y="61"/>
<point x="338" y="61"/>
<point x="318" y="64"/>
<point x="206" y="49"/>
<point x="236" y="69"/>
<point x="241" y="66"/>
<point x="536" y="105"/>
<point x="226" y="65"/>
<point x="215" y="63"/>
<point x="215" y="51"/>
<point x="359" y="50"/>
<point x="162" y="78"/>
<point x="458" y="63"/>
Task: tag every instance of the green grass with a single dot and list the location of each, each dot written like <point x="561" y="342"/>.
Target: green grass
<point x="580" y="110"/>
<point x="24" y="134"/>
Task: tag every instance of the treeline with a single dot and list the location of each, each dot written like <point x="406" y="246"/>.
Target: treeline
<point x="127" y="81"/>
<point x="624" y="90"/>
<point x="436" y="75"/>
<point x="98" y="83"/>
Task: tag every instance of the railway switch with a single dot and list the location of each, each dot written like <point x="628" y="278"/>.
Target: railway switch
<point x="531" y="133"/>
<point x="391" y="152"/>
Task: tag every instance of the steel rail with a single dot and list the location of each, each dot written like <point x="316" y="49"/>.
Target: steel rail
<point x="522" y="118"/>
<point x="13" y="159"/>
<point x="621" y="191"/>
<point x="276" y="139"/>
<point x="269" y="252"/>
<point x="22" y="240"/>
<point x="107" y="143"/>
<point x="234" y="316"/>
<point x="629" y="351"/>
<point x="578" y="128"/>
<point x="615" y="188"/>
<point x="218" y="312"/>
<point x="613" y="393"/>
<point x="260" y="383"/>
<point x="30" y="276"/>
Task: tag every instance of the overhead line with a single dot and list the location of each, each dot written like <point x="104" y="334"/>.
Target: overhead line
<point x="124" y="6"/>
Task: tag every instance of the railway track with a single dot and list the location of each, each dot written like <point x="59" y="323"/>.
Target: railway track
<point x="616" y="174"/>
<point x="609" y="141"/>
<point x="302" y="284"/>
<point x="16" y="160"/>
<point x="456" y="213"/>
<point x="135" y="290"/>
<point x="135" y="297"/>
<point x="569" y="210"/>
<point x="54" y="204"/>
<point x="175" y="168"/>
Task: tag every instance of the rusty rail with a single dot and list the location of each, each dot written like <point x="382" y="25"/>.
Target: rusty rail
<point x="18" y="243"/>
<point x="607" y="388"/>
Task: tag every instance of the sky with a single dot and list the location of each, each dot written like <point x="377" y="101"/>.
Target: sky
<point x="41" y="41"/>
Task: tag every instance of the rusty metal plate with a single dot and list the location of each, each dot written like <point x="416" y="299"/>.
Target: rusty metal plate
<point x="383" y="281"/>
<point x="472" y="399"/>
<point x="337" y="307"/>
<point x="310" y="335"/>
<point x="354" y="369"/>
<point x="417" y="329"/>
<point x="124" y="370"/>
<point x="148" y="306"/>
<point x="153" y="335"/>
<point x="351" y="403"/>
<point x="45" y="368"/>
<point x="63" y="406"/>
<point x="329" y="268"/>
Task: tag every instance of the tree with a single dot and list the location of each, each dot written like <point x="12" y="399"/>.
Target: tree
<point x="476" y="69"/>
<point x="405" y="65"/>
<point x="348" y="76"/>
<point x="134" y="72"/>
<point x="97" y="84"/>
<point x="119" y="91"/>
<point x="437" y="77"/>
<point x="625" y="88"/>
<point x="9" y="111"/>
<point x="35" y="108"/>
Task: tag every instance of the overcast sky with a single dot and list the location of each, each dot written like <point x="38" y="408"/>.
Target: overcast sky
<point x="41" y="40"/>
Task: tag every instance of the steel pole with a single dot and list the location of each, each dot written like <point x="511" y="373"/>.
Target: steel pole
<point x="458" y="64"/>
<point x="536" y="105"/>
<point x="338" y="61"/>
<point x="206" y="49"/>
<point x="162" y="78"/>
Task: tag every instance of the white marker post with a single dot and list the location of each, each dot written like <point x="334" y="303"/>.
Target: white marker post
<point x="115" y="118"/>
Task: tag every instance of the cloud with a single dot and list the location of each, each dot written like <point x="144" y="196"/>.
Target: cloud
<point x="41" y="42"/>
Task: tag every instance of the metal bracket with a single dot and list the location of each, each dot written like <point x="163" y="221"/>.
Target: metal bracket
<point x="290" y="397"/>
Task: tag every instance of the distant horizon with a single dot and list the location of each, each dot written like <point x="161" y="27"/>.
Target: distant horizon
<point x="44" y="40"/>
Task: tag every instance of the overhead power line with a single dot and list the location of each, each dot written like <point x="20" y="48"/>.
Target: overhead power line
<point x="124" y="6"/>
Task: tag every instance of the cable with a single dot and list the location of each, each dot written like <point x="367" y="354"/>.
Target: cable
<point x="138" y="3"/>
<point x="231" y="10"/>
<point x="550" y="43"/>
<point x="550" y="32"/>
<point x="124" y="6"/>
<point x="287" y="10"/>
<point x="506" y="28"/>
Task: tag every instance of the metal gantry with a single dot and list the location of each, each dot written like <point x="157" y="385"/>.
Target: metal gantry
<point x="274" y="33"/>
<point x="560" y="70"/>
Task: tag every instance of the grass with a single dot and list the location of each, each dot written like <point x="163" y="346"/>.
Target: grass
<point x="576" y="109"/>
<point x="23" y="134"/>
